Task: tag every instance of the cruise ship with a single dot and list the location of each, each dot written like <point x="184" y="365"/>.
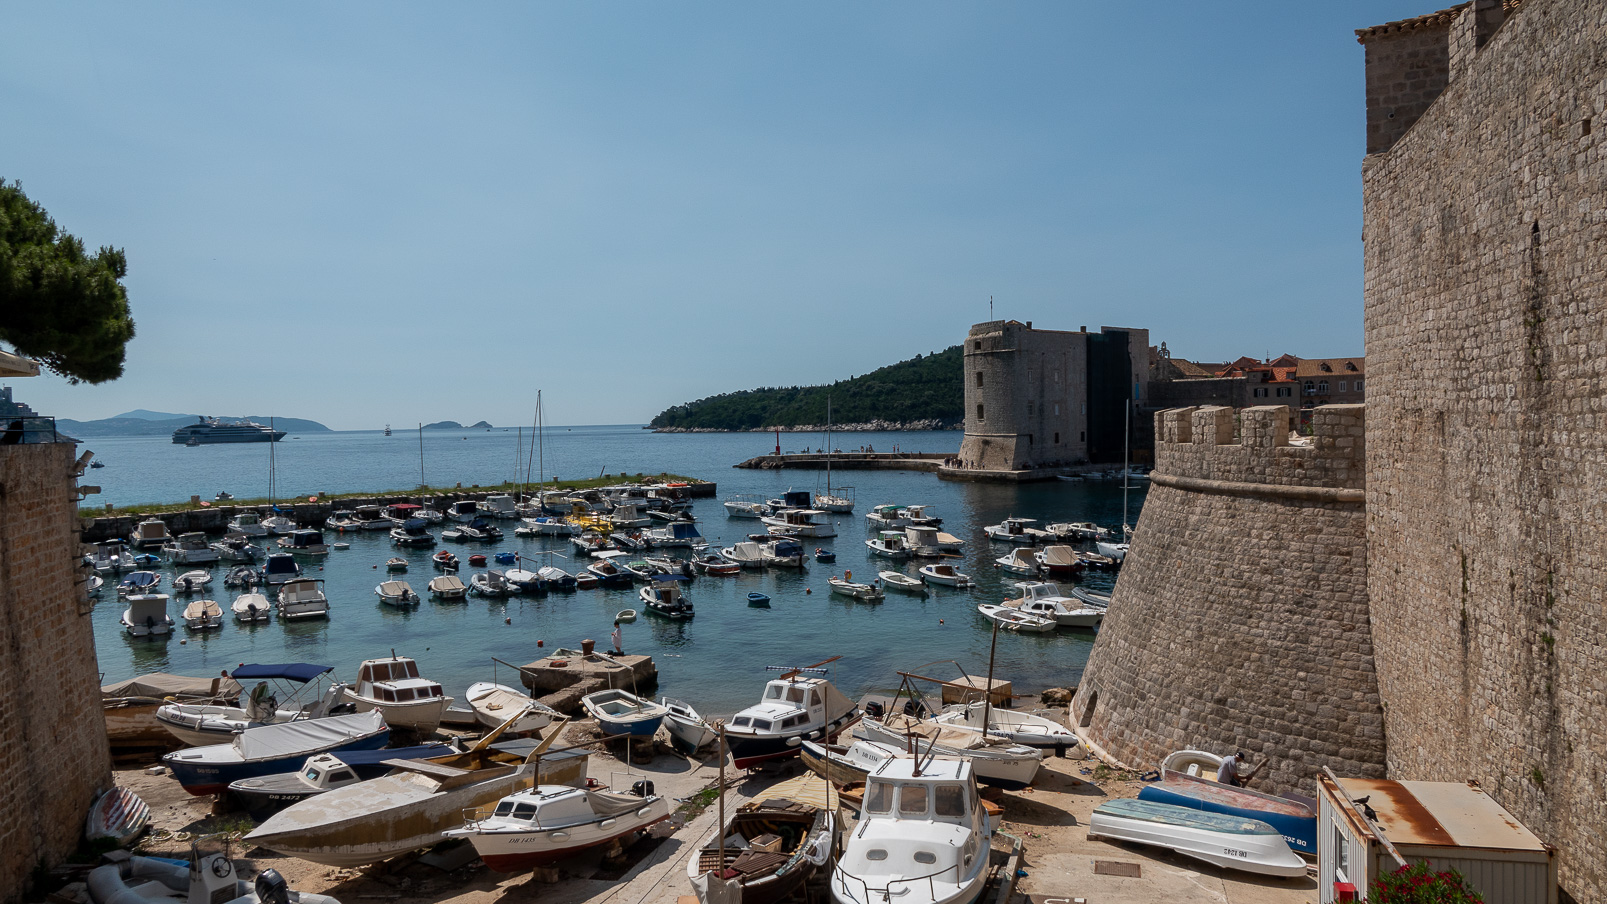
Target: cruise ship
<point x="211" y="430"/>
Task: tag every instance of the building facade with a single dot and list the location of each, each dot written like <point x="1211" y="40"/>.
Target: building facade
<point x="1039" y="399"/>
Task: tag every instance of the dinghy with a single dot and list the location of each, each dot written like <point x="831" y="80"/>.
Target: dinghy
<point x="1026" y="729"/>
<point x="448" y="587"/>
<point x="495" y="704"/>
<point x="548" y="823"/>
<point x="273" y="748"/>
<point x="119" y="814"/>
<point x="192" y="581"/>
<point x="868" y="592"/>
<point x="1294" y="820"/>
<point x="203" y="615"/>
<point x="996" y="761"/>
<point x="146" y="615"/>
<point x="625" y="616"/>
<point x="900" y="581"/>
<point x="396" y="563"/>
<point x="758" y="600"/>
<point x="251" y="607"/>
<point x="491" y="583"/>
<point x="1234" y="842"/>
<point x="1191" y="762"/>
<point x="688" y="730"/>
<point x="1009" y="619"/>
<point x="825" y="556"/>
<point x="930" y="815"/>
<point x="396" y="593"/>
<point x="210" y="878"/>
<point x="769" y="849"/>
<point x="445" y="560"/>
<point x="620" y="712"/>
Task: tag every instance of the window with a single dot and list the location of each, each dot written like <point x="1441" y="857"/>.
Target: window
<point x="912" y="799"/>
<point x="1057" y="409"/>
<point x="1322" y="387"/>
<point x="1057" y="439"/>
<point x="977" y="345"/>
<point x="1341" y="856"/>
<point x="876" y="854"/>
<point x="925" y="857"/>
<point x="1342" y="386"/>
<point x="979" y="378"/>
<point x="814" y="698"/>
<point x="979" y="413"/>
<point x="1029" y="408"/>
<point x="950" y="800"/>
<point x="1358" y="384"/>
<point x="1311" y="388"/>
<point x="742" y="721"/>
<point x="1284" y="391"/>
<point x="879" y="799"/>
<point x="1082" y="436"/>
<point x="524" y="811"/>
<point x="795" y="695"/>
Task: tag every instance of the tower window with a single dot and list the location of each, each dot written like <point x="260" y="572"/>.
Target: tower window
<point x="1057" y="439"/>
<point x="979" y="378"/>
<point x="979" y="413"/>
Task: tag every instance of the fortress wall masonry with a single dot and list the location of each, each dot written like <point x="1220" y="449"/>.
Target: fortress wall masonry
<point x="1240" y="620"/>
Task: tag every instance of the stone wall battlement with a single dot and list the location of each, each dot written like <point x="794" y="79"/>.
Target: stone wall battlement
<point x="1252" y="447"/>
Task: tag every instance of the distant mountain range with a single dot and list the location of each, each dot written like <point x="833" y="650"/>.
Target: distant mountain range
<point x="141" y="422"/>
<point x="926" y="392"/>
<point x="454" y="425"/>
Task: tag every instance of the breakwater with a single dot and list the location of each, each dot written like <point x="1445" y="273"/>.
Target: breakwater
<point x="214" y="519"/>
<point x="850" y="461"/>
<point x="877" y="426"/>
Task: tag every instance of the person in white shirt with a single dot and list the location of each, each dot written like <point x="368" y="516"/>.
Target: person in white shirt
<point x="1228" y="772"/>
<point x="617" y="637"/>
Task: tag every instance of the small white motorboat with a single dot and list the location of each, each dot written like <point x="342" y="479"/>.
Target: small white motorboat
<point x="249" y="524"/>
<point x="396" y="593"/>
<point x="1015" y="726"/>
<point x="626" y="615"/>
<point x="1019" y="561"/>
<point x="1018" y="531"/>
<point x="746" y="554"/>
<point x="190" y="548"/>
<point x="303" y="598"/>
<point x="192" y="581"/>
<point x="146" y="615"/>
<point x="278" y="525"/>
<point x="997" y="762"/>
<point x="448" y="587"/>
<point x="543" y="825"/>
<point x="890" y="544"/>
<point x="150" y="534"/>
<point x="745" y="507"/>
<point x="689" y="732"/>
<point x="404" y="699"/>
<point x="280" y="568"/>
<point x="494" y="704"/>
<point x="899" y="581"/>
<point x="1195" y="763"/>
<point x="203" y="615"/>
<point x="945" y="575"/>
<point x="1116" y="551"/>
<point x="490" y="583"/>
<point x="1044" y="598"/>
<point x="251" y="607"/>
<point x="396" y="563"/>
<point x="1233" y="842"/>
<point x="1059" y="560"/>
<point x="1078" y="530"/>
<point x="1009" y="619"/>
<point x="856" y="590"/>
<point x="918" y="820"/>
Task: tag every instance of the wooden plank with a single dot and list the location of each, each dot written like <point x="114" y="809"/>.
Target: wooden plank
<point x="1117" y="868"/>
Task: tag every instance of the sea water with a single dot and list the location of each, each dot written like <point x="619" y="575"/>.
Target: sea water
<point x="717" y="661"/>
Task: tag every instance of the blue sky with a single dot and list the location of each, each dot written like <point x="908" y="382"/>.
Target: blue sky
<point x="365" y="213"/>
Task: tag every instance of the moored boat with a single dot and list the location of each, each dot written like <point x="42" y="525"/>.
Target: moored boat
<point x="890" y="544"/>
<point x="1019" y="561"/>
<point x="448" y="587"/>
<point x="897" y="580"/>
<point x="1059" y="560"/>
<point x="620" y="712"/>
<point x="1044" y="598"/>
<point x="146" y="615"/>
<point x="665" y="598"/>
<point x="203" y="615"/>
<point x="794" y="708"/>
<point x="855" y="589"/>
<point x="549" y="823"/>
<point x="944" y="574"/>
<point x="396" y="593"/>
<point x="1009" y="619"/>
<point x="280" y="568"/>
<point x="150" y="534"/>
<point x="404" y="699"/>
<point x="303" y="598"/>
<point x="1016" y="530"/>
<point x="191" y="581"/>
<point x="251" y="607"/>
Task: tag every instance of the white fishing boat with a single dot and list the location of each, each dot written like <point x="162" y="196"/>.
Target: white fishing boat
<point x="190" y="549"/>
<point x="404" y="699"/>
<point x="1091" y="597"/>
<point x="1017" y="727"/>
<point x="620" y="712"/>
<point x="676" y="535"/>
<point x="1018" y="531"/>
<point x="555" y="578"/>
<point x="112" y="557"/>
<point x="191" y="581"/>
<point x="801" y="523"/>
<point x="235" y="548"/>
<point x="897" y="580"/>
<point x="342" y="520"/>
<point x="203" y="615"/>
<point x="783" y="552"/>
<point x="150" y="534"/>
<point x="745" y="553"/>
<point x="303" y="598"/>
<point x="665" y="598"/>
<point x="946" y="575"/>
<point x="1233" y="842"/>
<point x="890" y="544"/>
<point x="746" y="507"/>
<point x="396" y="593"/>
<point x="448" y="587"/>
<point x="278" y="525"/>
<point x="499" y="506"/>
<point x="251" y="607"/>
<point x="371" y="517"/>
<point x="1045" y="599"/>
<point x="689" y="732"/>
<point x="429" y="514"/>
<point x="413" y="532"/>
<point x="857" y="590"/>
<point x="309" y="542"/>
<point x="249" y="524"/>
<point x="280" y="568"/>
<point x="464" y="510"/>
<point x="146" y="615"/>
<point x="495" y="704"/>
<point x="846" y="764"/>
<point x="1077" y="530"/>
<point x="995" y="760"/>
<point x="491" y="583"/>
<point x="544" y="526"/>
<point x="799" y="705"/>
<point x="886" y="517"/>
<point x="306" y="697"/>
<point x="549" y="823"/>
<point x="1009" y="619"/>
<point x="1059" y="560"/>
<point x="1116" y="551"/>
<point x="1018" y="561"/>
<point x="923" y="837"/>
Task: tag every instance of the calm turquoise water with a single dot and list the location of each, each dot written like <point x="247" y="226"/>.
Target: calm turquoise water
<point x="716" y="661"/>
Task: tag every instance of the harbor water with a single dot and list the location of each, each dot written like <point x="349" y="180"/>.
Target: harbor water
<point x="716" y="661"/>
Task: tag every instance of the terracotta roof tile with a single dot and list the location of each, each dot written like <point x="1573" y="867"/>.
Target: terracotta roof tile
<point x="1440" y="19"/>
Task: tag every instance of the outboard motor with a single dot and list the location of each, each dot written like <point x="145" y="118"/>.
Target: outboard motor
<point x="914" y="709"/>
<point x="874" y="709"/>
<point x="272" y="888"/>
<point x="642" y="788"/>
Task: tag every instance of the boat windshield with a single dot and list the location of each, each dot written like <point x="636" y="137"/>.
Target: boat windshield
<point x="912" y="800"/>
<point x="879" y="798"/>
<point x="950" y="800"/>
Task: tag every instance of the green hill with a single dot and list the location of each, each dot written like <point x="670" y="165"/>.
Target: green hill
<point x="926" y="391"/>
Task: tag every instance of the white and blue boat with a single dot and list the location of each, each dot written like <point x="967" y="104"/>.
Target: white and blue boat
<point x="798" y="706"/>
<point x="1293" y="819"/>
<point x="279" y="568"/>
<point x="272" y="749"/>
<point x="1234" y="842"/>
<point x="622" y="713"/>
<point x="138" y="582"/>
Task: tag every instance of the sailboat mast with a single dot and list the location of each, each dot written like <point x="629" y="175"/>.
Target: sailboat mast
<point x="1127" y="434"/>
<point x="541" y="435"/>
<point x="421" y="482"/>
<point x="987" y="692"/>
<point x="828" y="446"/>
<point x="273" y="495"/>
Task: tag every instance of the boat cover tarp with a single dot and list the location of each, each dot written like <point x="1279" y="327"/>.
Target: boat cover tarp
<point x="305" y="735"/>
<point x="373" y="757"/>
<point x="684" y="531"/>
<point x="161" y="684"/>
<point x="607" y="803"/>
<point x="711" y="889"/>
<point x="294" y="671"/>
<point x="414" y="524"/>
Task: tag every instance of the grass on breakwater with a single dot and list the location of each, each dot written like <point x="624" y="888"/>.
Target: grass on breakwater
<point x="590" y="483"/>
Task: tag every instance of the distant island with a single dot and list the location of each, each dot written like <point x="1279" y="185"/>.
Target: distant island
<point x="454" y="425"/>
<point x="141" y="422"/>
<point x="927" y="392"/>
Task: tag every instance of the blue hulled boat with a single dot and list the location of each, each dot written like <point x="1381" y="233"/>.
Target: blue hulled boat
<point x="273" y="748"/>
<point x="1293" y="820"/>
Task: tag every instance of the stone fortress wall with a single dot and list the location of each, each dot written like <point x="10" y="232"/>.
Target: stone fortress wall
<point x="1240" y="620"/>
<point x="53" y="740"/>
<point x="1023" y="389"/>
<point x="1485" y="230"/>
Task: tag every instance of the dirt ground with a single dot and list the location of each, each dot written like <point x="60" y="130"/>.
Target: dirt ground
<point x="1051" y="818"/>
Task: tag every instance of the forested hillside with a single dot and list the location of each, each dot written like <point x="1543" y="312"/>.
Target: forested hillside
<point x="926" y="390"/>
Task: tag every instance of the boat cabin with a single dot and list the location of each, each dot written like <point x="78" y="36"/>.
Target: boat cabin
<point x="401" y="512"/>
<point x="916" y="514"/>
<point x="1015" y="527"/>
<point x="326" y="772"/>
<point x="501" y="506"/>
<point x="789" y="705"/>
<point x="308" y="540"/>
<point x="463" y="509"/>
<point x="394" y="681"/>
<point x="892" y="540"/>
<point x="941" y="790"/>
<point x="192" y="541"/>
<point x="280" y="567"/>
<point x="152" y="532"/>
<point x="921" y="818"/>
<point x="1038" y="591"/>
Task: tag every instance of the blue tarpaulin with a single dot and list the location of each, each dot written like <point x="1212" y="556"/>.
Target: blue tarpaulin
<point x="294" y="671"/>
